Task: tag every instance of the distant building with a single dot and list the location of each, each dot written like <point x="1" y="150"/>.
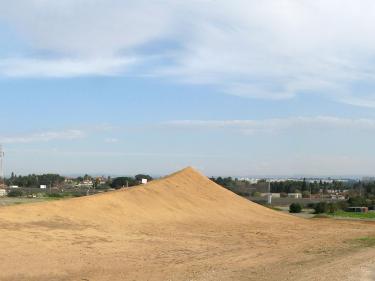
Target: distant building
<point x="250" y="180"/>
<point x="144" y="181"/>
<point x="43" y="186"/>
<point x="295" y="195"/>
<point x="357" y="209"/>
<point x="85" y="183"/>
<point x="274" y="195"/>
<point x="14" y="186"/>
<point x="3" y="192"/>
<point x="101" y="180"/>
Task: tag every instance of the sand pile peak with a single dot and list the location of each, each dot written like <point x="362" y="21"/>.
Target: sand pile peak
<point x="184" y="195"/>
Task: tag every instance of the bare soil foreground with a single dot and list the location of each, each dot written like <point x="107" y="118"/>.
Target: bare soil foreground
<point x="182" y="227"/>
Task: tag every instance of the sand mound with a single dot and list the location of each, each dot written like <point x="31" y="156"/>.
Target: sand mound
<point x="185" y="195"/>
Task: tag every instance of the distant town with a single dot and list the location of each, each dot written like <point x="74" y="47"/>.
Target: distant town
<point x="55" y="185"/>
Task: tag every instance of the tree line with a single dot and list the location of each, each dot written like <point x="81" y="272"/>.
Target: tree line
<point x="34" y="180"/>
<point x="356" y="188"/>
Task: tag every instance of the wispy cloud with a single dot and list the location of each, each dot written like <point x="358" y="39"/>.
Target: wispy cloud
<point x="64" y="67"/>
<point x="276" y="124"/>
<point x="44" y="137"/>
<point x="267" y="49"/>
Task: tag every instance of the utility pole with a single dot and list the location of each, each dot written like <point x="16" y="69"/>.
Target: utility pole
<point x="2" y="179"/>
<point x="269" y="193"/>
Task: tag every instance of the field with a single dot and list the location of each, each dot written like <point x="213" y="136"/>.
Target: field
<point x="180" y="228"/>
<point x="343" y="214"/>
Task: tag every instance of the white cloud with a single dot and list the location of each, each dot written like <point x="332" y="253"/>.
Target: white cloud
<point x="44" y="137"/>
<point x="270" y="49"/>
<point x="63" y="67"/>
<point x="277" y="124"/>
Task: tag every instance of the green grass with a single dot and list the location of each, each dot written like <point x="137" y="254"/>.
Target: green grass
<point x="272" y="207"/>
<point x="321" y="216"/>
<point x="369" y="215"/>
<point x="368" y="241"/>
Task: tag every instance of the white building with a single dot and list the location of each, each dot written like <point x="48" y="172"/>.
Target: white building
<point x="3" y="192"/>
<point x="274" y="195"/>
<point x="295" y="195"/>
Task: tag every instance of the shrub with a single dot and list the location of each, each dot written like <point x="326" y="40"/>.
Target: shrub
<point x="342" y="205"/>
<point x="321" y="207"/>
<point x="256" y="194"/>
<point x="295" y="208"/>
<point x="15" y="193"/>
<point x="55" y="195"/>
<point x="332" y="207"/>
<point x="311" y="205"/>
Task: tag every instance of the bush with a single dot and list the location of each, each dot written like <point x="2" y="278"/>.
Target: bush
<point x="332" y="207"/>
<point x="295" y="208"/>
<point x="15" y="193"/>
<point x="55" y="195"/>
<point x="311" y="205"/>
<point x="256" y="194"/>
<point x="342" y="205"/>
<point x="321" y="207"/>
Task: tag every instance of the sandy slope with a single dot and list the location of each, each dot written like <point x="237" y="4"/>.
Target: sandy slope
<point x="182" y="227"/>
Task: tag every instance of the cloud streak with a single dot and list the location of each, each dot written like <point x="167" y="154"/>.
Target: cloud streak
<point x="276" y="125"/>
<point x="44" y="137"/>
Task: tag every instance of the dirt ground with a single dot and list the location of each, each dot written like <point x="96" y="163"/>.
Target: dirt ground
<point x="180" y="228"/>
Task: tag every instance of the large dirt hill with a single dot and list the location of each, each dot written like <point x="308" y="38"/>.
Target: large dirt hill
<point x="182" y="227"/>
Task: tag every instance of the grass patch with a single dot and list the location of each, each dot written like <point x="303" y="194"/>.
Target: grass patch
<point x="368" y="241"/>
<point x="343" y="214"/>
<point x="321" y="216"/>
<point x="272" y="208"/>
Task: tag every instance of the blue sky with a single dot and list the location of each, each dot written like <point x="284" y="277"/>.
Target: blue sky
<point x="232" y="88"/>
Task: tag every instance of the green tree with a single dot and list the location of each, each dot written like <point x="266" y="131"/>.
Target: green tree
<point x="139" y="177"/>
<point x="295" y="208"/>
<point x="123" y="182"/>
